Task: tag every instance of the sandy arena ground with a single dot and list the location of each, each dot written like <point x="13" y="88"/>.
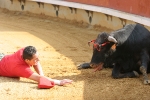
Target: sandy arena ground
<point x="62" y="46"/>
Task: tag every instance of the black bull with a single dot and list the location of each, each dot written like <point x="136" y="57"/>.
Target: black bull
<point x="129" y="58"/>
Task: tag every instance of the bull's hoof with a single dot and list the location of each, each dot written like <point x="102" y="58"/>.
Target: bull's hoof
<point x="143" y="70"/>
<point x="146" y="82"/>
<point x="83" y="66"/>
<point x="136" y="74"/>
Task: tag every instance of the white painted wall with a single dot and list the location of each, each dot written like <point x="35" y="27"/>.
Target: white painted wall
<point x="100" y="16"/>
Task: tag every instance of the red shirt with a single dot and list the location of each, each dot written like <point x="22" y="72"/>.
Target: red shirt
<point x="14" y="66"/>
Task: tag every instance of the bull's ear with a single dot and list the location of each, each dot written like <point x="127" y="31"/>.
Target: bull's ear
<point x="112" y="39"/>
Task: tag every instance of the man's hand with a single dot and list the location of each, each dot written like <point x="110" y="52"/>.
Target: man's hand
<point x="65" y="81"/>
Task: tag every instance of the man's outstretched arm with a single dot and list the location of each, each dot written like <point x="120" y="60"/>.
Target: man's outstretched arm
<point x="36" y="77"/>
<point x="38" y="69"/>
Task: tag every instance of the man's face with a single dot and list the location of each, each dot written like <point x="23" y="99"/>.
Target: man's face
<point x="34" y="60"/>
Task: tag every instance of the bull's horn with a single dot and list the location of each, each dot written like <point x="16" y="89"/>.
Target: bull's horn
<point x="112" y="39"/>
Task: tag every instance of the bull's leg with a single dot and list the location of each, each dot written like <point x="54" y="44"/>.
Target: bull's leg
<point x="143" y="70"/>
<point x="116" y="73"/>
<point x="133" y="74"/>
<point x="84" y="66"/>
<point x="144" y="63"/>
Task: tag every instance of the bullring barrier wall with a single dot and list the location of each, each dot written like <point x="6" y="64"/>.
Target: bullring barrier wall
<point x="138" y="7"/>
<point x="64" y="9"/>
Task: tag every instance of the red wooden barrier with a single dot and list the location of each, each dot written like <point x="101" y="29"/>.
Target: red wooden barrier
<point x="139" y="7"/>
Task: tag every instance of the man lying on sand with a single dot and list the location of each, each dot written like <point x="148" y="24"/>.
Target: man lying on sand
<point x="19" y="63"/>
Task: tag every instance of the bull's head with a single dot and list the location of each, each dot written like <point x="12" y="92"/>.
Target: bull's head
<point x="101" y="46"/>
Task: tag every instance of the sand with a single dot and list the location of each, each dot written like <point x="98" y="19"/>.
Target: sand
<point x="62" y="45"/>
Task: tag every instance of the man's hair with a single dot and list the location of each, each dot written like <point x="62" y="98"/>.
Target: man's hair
<point x="28" y="52"/>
